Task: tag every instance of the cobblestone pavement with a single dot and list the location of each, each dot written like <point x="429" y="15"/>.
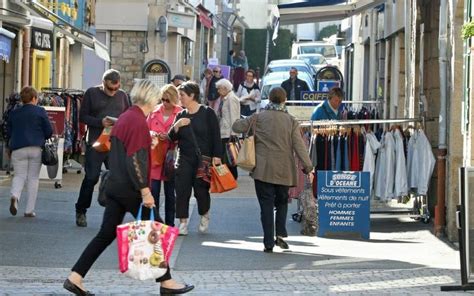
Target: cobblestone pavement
<point x="420" y="281"/>
<point x="401" y="258"/>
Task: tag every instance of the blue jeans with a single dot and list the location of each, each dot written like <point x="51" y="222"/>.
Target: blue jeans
<point x="170" y="199"/>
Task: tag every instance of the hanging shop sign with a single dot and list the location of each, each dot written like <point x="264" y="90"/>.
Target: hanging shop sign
<point x="314" y="96"/>
<point x="344" y="203"/>
<point x="41" y="39"/>
<point x="180" y="20"/>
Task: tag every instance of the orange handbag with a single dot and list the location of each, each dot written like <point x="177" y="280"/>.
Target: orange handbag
<point x="158" y="154"/>
<point x="222" y="179"/>
<point x="102" y="144"/>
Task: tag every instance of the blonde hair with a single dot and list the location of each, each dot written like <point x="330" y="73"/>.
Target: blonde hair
<point x="145" y="92"/>
<point x="172" y="93"/>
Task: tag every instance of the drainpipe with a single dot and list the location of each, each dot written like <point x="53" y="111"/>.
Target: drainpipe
<point x="440" y="208"/>
<point x="26" y="57"/>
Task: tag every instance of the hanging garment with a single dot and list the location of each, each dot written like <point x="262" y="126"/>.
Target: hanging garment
<point x="371" y="147"/>
<point x="401" y="185"/>
<point x="313" y="150"/>
<point x="385" y="171"/>
<point x="423" y="162"/>
<point x="412" y="162"/>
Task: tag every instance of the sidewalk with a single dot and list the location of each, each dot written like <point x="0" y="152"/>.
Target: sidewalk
<point x="401" y="258"/>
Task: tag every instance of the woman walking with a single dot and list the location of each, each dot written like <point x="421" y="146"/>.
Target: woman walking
<point x="27" y="128"/>
<point x="227" y="113"/>
<point x="249" y="94"/>
<point x="199" y="141"/>
<point x="277" y="136"/>
<point x="159" y="123"/>
<point x="127" y="186"/>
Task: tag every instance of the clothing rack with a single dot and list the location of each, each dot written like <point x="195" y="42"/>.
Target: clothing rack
<point x="322" y="101"/>
<point x="62" y="90"/>
<point x="360" y="121"/>
<point x="420" y="209"/>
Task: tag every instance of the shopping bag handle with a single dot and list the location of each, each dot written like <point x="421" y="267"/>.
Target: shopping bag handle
<point x="139" y="215"/>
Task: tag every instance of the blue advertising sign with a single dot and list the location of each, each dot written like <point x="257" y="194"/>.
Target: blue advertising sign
<point x="344" y="203"/>
<point x="5" y="48"/>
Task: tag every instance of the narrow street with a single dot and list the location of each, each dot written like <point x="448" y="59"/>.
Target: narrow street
<point x="402" y="257"/>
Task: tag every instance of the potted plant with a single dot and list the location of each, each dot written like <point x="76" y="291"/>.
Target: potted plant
<point x="467" y="30"/>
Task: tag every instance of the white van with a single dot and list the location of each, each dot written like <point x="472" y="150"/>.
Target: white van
<point x="328" y="50"/>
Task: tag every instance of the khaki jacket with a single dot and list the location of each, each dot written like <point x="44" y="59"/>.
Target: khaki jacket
<point x="277" y="137"/>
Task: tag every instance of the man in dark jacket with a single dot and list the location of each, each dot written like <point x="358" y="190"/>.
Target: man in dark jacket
<point x="294" y="86"/>
<point x="100" y="105"/>
<point x="213" y="95"/>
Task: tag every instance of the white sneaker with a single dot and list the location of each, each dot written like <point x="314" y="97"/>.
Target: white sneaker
<point x="183" y="228"/>
<point x="204" y="223"/>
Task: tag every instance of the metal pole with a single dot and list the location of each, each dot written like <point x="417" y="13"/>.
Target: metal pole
<point x="440" y="210"/>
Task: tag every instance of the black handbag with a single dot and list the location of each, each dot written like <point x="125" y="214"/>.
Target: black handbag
<point x="102" y="198"/>
<point x="49" y="153"/>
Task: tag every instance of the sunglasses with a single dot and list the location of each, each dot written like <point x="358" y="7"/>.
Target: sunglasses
<point x="215" y="71"/>
<point x="166" y="100"/>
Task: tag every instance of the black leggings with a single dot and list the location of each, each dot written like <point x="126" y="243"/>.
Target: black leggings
<point x="185" y="182"/>
<point x="113" y="216"/>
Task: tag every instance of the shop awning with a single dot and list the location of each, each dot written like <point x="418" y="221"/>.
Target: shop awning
<point x="204" y="17"/>
<point x="33" y="6"/>
<point x="312" y="11"/>
<point x="6" y="38"/>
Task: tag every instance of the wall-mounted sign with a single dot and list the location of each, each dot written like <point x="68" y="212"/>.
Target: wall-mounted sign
<point x="41" y="39"/>
<point x="5" y="48"/>
<point x="157" y="71"/>
<point x="180" y="20"/>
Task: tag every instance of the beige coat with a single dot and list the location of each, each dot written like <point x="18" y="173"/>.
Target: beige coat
<point x="277" y="136"/>
<point x="230" y="113"/>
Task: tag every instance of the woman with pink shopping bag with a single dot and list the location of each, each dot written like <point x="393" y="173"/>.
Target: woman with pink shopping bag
<point x="127" y="186"/>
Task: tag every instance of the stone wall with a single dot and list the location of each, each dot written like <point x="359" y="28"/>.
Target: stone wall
<point x="126" y="55"/>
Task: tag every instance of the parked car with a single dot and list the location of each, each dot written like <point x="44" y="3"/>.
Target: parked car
<point x="274" y="79"/>
<point x="328" y="50"/>
<point x="285" y="65"/>
<point x="316" y="60"/>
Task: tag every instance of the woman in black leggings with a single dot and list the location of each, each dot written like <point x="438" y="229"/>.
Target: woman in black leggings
<point x="127" y="186"/>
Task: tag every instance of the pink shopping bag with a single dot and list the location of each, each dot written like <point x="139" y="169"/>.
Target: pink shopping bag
<point x="128" y="233"/>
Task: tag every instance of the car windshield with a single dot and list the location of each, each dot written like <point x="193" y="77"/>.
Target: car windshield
<point x="313" y="60"/>
<point x="287" y="68"/>
<point x="328" y="51"/>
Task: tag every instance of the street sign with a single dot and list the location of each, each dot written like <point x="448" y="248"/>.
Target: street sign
<point x="344" y="203"/>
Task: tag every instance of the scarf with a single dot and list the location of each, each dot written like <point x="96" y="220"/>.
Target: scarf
<point x="276" y="107"/>
<point x="132" y="130"/>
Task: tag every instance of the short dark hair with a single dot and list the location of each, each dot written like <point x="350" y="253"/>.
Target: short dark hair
<point x="27" y="94"/>
<point x="251" y="71"/>
<point x="111" y="75"/>
<point x="336" y="92"/>
<point x="190" y="87"/>
<point x="277" y="95"/>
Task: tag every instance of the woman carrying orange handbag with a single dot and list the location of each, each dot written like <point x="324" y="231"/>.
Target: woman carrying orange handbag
<point x="159" y="122"/>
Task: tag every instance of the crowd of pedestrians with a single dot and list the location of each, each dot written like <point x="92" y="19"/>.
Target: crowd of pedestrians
<point x="195" y="120"/>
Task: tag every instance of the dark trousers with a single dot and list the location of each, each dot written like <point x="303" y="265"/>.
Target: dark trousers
<point x="271" y="196"/>
<point x="225" y="159"/>
<point x="92" y="167"/>
<point x="113" y="216"/>
<point x="170" y="199"/>
<point x="185" y="182"/>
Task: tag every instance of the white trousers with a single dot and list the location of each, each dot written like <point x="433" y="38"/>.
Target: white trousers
<point x="27" y="165"/>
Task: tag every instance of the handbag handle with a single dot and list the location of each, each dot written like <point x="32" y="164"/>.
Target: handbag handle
<point x="152" y="213"/>
<point x="253" y="123"/>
